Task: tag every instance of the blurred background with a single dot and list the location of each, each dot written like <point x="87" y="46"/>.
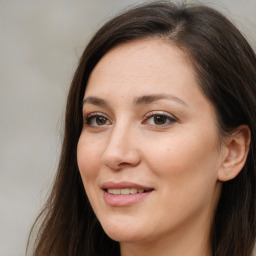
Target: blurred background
<point x="40" y="44"/>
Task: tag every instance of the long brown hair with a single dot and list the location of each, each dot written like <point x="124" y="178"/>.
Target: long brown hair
<point x="225" y="66"/>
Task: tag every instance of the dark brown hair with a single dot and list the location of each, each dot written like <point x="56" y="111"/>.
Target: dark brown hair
<point x="225" y="66"/>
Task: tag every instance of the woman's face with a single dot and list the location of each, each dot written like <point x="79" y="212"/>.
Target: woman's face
<point x="149" y="151"/>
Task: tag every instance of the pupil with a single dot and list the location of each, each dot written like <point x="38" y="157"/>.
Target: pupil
<point x="100" y="120"/>
<point x="159" y="119"/>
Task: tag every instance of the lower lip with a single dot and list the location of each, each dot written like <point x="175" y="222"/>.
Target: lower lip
<point x="124" y="200"/>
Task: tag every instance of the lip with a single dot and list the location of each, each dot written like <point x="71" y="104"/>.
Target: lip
<point x="124" y="200"/>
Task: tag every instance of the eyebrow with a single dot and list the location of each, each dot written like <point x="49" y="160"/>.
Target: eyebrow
<point x="95" y="101"/>
<point x="154" y="97"/>
<point x="142" y="100"/>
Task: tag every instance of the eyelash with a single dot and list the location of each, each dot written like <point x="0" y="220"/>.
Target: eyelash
<point x="90" y="118"/>
<point x="170" y="118"/>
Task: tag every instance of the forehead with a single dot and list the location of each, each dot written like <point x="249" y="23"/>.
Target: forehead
<point x="148" y="66"/>
<point x="149" y="60"/>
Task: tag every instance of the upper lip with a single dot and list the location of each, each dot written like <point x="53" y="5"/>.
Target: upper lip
<point x="123" y="184"/>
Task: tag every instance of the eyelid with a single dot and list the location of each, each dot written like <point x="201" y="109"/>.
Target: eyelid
<point x="92" y="114"/>
<point x="157" y="112"/>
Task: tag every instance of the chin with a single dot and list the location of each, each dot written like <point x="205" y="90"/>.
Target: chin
<point x="124" y="232"/>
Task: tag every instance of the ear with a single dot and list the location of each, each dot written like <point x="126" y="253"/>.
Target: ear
<point x="237" y="147"/>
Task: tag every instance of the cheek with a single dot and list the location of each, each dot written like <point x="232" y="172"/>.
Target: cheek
<point x="88" y="158"/>
<point x="186" y="171"/>
<point x="184" y="160"/>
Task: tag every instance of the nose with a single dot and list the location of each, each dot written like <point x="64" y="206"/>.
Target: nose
<point x="121" y="150"/>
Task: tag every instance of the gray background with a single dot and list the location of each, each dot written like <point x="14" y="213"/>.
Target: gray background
<point x="40" y="43"/>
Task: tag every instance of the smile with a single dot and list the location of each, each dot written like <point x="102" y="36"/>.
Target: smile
<point x="119" y="194"/>
<point x="125" y="191"/>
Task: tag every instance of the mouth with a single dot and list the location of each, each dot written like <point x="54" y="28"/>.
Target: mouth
<point x="124" y="193"/>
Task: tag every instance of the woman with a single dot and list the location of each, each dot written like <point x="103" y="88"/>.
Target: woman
<point x="159" y="140"/>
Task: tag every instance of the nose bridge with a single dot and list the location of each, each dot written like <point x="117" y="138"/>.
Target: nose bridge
<point x="119" y="134"/>
<point x="121" y="146"/>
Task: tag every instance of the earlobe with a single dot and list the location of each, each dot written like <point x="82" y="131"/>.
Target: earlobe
<point x="237" y="144"/>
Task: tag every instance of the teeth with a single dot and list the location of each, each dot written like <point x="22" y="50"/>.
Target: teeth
<point x="124" y="191"/>
<point x="114" y="191"/>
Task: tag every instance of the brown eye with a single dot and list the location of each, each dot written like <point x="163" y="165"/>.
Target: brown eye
<point x="160" y="119"/>
<point x="96" y="120"/>
<point x="101" y="120"/>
